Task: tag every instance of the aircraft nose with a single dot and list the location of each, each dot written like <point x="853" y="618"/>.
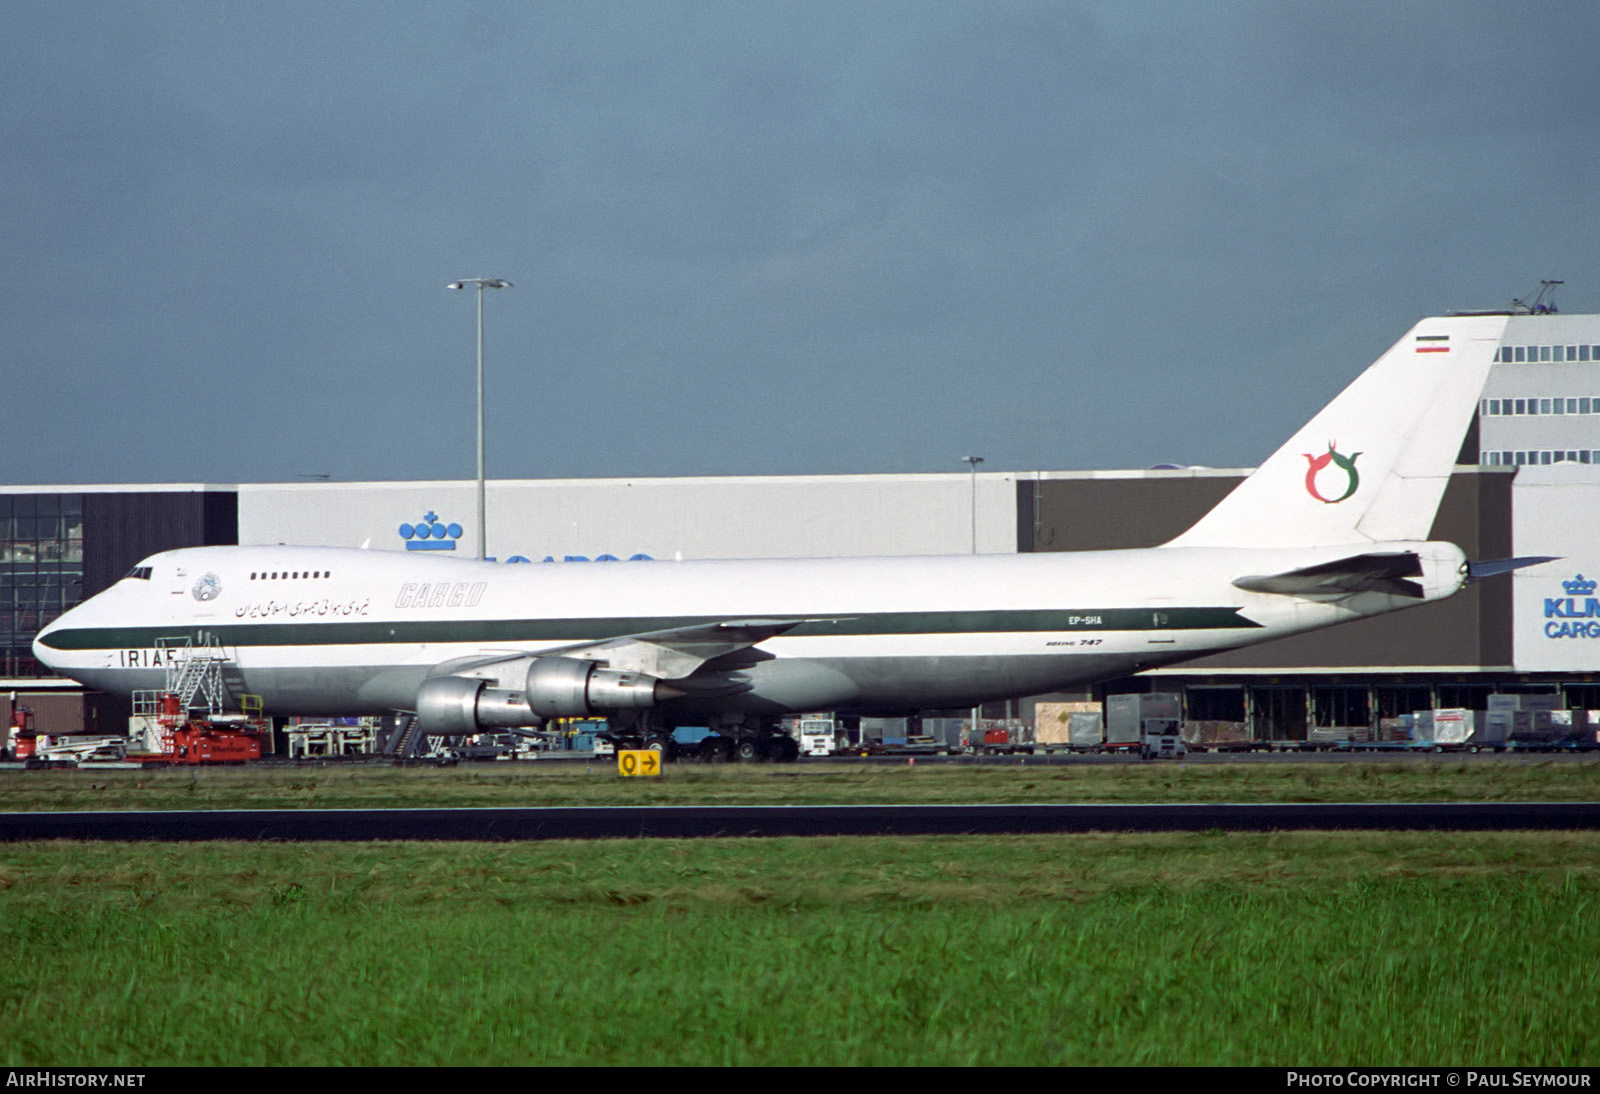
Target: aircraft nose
<point x="46" y="651"/>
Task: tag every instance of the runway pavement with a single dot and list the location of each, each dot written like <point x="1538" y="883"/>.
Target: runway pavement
<point x="625" y="822"/>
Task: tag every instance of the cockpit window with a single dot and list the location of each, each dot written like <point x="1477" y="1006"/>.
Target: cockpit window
<point x="140" y="572"/>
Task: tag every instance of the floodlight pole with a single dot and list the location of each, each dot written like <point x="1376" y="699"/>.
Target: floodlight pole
<point x="972" y="463"/>
<point x="481" y="283"/>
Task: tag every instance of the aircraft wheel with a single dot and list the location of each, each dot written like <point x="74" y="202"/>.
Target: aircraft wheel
<point x="715" y="749"/>
<point x="748" y="750"/>
<point x="785" y="749"/>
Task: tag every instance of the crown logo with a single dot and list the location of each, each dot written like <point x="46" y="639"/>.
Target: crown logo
<point x="429" y="535"/>
<point x="1578" y="586"/>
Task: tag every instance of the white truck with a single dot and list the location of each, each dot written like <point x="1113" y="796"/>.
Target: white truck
<point x="816" y="736"/>
<point x="1162" y="739"/>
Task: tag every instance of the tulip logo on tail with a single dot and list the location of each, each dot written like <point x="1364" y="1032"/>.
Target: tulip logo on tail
<point x="1345" y="464"/>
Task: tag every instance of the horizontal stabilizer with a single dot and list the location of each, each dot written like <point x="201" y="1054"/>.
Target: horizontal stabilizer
<point x="1477" y="571"/>
<point x="1370" y="573"/>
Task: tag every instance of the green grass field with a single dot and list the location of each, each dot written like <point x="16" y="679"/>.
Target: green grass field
<point x="1292" y="948"/>
<point x="1239" y="948"/>
<point x="1478" y="779"/>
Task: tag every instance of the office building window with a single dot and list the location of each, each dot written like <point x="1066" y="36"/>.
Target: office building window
<point x="41" y="572"/>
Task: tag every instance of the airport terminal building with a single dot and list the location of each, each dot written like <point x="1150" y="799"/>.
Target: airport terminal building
<point x="1528" y="484"/>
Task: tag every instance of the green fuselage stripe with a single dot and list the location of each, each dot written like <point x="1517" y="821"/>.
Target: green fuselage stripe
<point x="492" y="631"/>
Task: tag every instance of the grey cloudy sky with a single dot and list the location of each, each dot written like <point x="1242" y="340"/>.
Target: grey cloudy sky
<point x="751" y="237"/>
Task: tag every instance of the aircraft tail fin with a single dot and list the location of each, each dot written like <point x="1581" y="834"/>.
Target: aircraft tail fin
<point x="1373" y="464"/>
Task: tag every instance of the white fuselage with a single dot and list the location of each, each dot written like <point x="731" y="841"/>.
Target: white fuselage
<point x="334" y="631"/>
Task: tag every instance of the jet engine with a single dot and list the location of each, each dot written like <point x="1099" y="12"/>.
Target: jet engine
<point x="555" y="687"/>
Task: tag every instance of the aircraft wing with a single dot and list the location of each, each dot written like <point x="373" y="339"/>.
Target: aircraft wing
<point x="1376" y="572"/>
<point x="675" y="653"/>
<point x="666" y="655"/>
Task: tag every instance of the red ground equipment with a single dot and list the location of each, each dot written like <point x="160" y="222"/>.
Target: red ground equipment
<point x="23" y="738"/>
<point x="219" y="739"/>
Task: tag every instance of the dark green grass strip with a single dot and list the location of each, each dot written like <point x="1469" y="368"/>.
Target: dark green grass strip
<point x="1479" y="779"/>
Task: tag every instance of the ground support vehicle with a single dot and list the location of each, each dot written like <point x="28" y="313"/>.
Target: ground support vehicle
<point x="171" y="735"/>
<point x="72" y="751"/>
<point x="23" y="737"/>
<point x="817" y="736"/>
<point x="1550" y="746"/>
<point x="919" y="745"/>
<point x="324" y="738"/>
<point x="1162" y="740"/>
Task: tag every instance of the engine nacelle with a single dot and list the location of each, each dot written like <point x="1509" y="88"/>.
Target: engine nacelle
<point x="454" y="706"/>
<point x="569" y="687"/>
<point x="556" y="687"/>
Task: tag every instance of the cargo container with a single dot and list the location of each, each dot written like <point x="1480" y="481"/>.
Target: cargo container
<point x="1126" y="716"/>
<point x="1449" y="727"/>
<point x="1217" y="736"/>
<point x="1085" y="730"/>
<point x="1053" y="721"/>
<point x="948" y="733"/>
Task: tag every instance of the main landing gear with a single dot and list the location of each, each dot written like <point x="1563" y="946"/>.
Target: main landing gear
<point x="733" y="739"/>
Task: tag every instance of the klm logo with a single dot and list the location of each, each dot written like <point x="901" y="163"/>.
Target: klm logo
<point x="1576" y="615"/>
<point x="429" y="535"/>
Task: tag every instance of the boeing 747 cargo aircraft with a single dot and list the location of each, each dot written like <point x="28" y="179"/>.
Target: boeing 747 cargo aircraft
<point x="1332" y="527"/>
